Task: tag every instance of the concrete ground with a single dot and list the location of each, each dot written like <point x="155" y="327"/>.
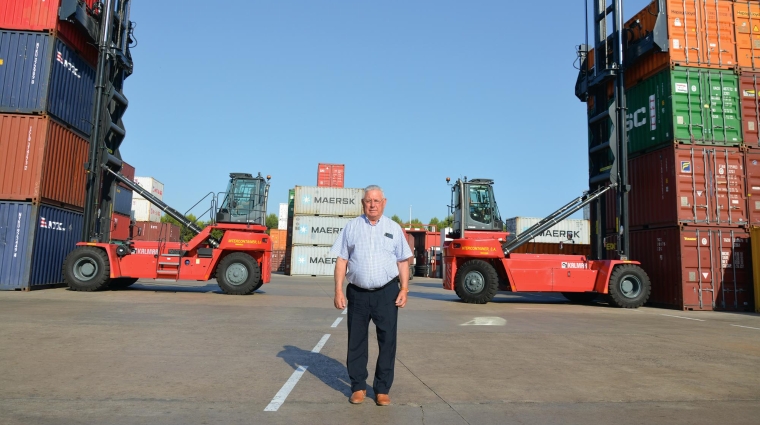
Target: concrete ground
<point x="187" y="354"/>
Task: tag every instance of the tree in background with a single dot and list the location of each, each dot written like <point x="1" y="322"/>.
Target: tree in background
<point x="414" y="222"/>
<point x="446" y="222"/>
<point x="435" y="222"/>
<point x="272" y="222"/>
<point x="397" y="219"/>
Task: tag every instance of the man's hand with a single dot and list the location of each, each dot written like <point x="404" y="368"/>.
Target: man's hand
<point x="340" y="300"/>
<point x="401" y="299"/>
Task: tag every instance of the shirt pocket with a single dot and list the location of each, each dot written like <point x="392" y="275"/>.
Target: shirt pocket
<point x="389" y="246"/>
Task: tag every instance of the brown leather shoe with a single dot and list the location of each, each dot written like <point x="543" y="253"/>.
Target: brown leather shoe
<point x="383" y="400"/>
<point x="357" y="397"/>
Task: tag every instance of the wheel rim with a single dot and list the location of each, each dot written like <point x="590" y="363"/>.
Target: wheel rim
<point x="85" y="269"/>
<point x="236" y="274"/>
<point x="474" y="282"/>
<point x="631" y="286"/>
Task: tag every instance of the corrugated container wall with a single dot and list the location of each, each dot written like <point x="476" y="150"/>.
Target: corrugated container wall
<point x="279" y="239"/>
<point x="150" y="231"/>
<point x="145" y="211"/>
<point x="119" y="227"/>
<point x="696" y="268"/>
<point x="564" y="231"/>
<point x="41" y="15"/>
<point x="155" y="187"/>
<point x="311" y="200"/>
<point x="752" y="168"/>
<point x="700" y="33"/>
<point x="282" y="218"/>
<point x="330" y="175"/>
<point x="127" y="171"/>
<point x="34" y="241"/>
<point x="686" y="185"/>
<point x="41" y="161"/>
<point x="122" y="200"/>
<point x="41" y="74"/>
<point x="311" y="261"/>
<point x="747" y="24"/>
<point x="566" y="248"/>
<point x="317" y="230"/>
<point x="673" y="105"/>
<point x="748" y="92"/>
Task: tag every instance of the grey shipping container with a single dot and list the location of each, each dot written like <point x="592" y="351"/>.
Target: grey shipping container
<point x="317" y="230"/>
<point x="34" y="241"/>
<point x="312" y="261"/>
<point x="566" y="230"/>
<point x="333" y="201"/>
<point x="39" y="73"/>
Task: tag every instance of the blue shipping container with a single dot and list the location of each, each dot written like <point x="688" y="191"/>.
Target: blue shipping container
<point x="122" y="202"/>
<point x="39" y="73"/>
<point x="34" y="241"/>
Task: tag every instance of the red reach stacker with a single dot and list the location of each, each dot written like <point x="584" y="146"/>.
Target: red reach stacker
<point x="479" y="261"/>
<point x="240" y="259"/>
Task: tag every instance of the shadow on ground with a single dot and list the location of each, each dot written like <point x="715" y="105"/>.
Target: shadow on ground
<point x="328" y="370"/>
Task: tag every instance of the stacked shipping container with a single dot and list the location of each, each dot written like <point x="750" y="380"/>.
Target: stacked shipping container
<point x="692" y="135"/>
<point x="47" y="73"/>
<point x="319" y="215"/>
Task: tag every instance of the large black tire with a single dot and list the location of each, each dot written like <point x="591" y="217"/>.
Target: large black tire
<point x="476" y="282"/>
<point x="121" y="282"/>
<point x="86" y="269"/>
<point x="238" y="274"/>
<point x="629" y="286"/>
<point x="580" y="297"/>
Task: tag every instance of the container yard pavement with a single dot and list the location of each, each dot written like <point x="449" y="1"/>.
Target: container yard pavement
<point x="186" y="354"/>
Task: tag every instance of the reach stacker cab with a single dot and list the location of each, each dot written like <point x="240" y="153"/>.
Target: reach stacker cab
<point x="239" y="259"/>
<point x="479" y="260"/>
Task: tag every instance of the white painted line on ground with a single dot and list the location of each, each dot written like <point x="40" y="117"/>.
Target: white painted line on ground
<point x="345" y="310"/>
<point x="281" y="395"/>
<point x="748" y="327"/>
<point x="681" y="317"/>
<point x="335" y="323"/>
<point x="320" y="344"/>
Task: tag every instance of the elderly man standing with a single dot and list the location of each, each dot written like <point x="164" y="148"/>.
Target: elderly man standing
<point x="374" y="250"/>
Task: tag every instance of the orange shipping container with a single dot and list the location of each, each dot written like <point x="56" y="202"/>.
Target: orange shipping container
<point x="41" y="161"/>
<point x="701" y="33"/>
<point x="747" y="24"/>
<point x="279" y="239"/>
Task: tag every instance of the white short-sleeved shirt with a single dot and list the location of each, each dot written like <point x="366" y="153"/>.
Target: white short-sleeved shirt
<point x="372" y="251"/>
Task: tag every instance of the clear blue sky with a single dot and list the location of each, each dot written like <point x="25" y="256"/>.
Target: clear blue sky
<point x="404" y="93"/>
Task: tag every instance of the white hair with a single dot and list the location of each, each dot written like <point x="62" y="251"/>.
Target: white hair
<point x="373" y="187"/>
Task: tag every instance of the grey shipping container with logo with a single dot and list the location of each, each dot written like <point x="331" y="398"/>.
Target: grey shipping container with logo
<point x="311" y="261"/>
<point x="34" y="241"/>
<point x="331" y="201"/>
<point x="317" y="230"/>
<point x="39" y="74"/>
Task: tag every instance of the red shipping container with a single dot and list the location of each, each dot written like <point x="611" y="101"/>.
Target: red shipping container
<point x="41" y="161"/>
<point x="748" y="89"/>
<point x="42" y="15"/>
<point x="151" y="231"/>
<point x="691" y="185"/>
<point x="127" y="171"/>
<point x="696" y="268"/>
<point x="119" y="227"/>
<point x="331" y="175"/>
<point x="752" y="167"/>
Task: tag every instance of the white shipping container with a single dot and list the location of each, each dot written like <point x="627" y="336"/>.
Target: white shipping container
<point x="155" y="187"/>
<point x="145" y="211"/>
<point x="312" y="261"/>
<point x="317" y="230"/>
<point x="283" y="213"/>
<point x="332" y="201"/>
<point x="566" y="230"/>
<point x="282" y="224"/>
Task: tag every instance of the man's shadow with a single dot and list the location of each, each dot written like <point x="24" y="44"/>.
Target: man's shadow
<point x="328" y="370"/>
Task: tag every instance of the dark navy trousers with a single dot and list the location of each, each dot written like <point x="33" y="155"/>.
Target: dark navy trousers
<point x="379" y="306"/>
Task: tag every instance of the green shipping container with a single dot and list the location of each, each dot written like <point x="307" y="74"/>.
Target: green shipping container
<point x="291" y="202"/>
<point x="684" y="105"/>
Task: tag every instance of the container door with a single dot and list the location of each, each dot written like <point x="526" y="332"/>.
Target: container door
<point x="699" y="269"/>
